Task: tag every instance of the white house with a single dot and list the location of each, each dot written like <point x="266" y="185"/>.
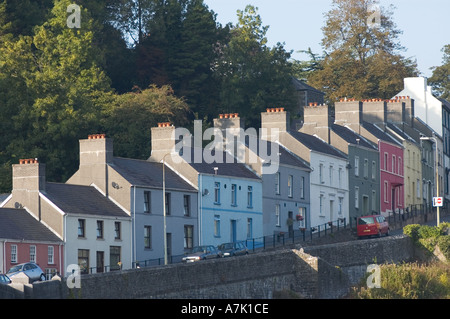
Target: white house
<point x="435" y="113"/>
<point x="329" y="176"/>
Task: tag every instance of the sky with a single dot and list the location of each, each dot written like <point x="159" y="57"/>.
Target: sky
<point x="297" y="24"/>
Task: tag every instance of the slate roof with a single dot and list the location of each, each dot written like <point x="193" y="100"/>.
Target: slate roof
<point x="285" y="156"/>
<point x="229" y="167"/>
<point x="18" y="224"/>
<point x="81" y="200"/>
<point x="316" y="144"/>
<point x="146" y="173"/>
<point x="351" y="136"/>
<point x="400" y="132"/>
<point x="380" y="134"/>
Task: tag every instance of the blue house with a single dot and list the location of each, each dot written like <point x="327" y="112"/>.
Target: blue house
<point x="285" y="176"/>
<point x="229" y="193"/>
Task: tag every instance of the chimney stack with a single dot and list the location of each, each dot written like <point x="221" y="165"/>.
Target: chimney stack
<point x="96" y="149"/>
<point x="348" y="112"/>
<point x="29" y="175"/>
<point x="374" y="111"/>
<point x="162" y="140"/>
<point x="96" y="152"/>
<point x="316" y="121"/>
<point x="274" y="118"/>
<point x="28" y="181"/>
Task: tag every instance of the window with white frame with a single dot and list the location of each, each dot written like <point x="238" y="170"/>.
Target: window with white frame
<point x="366" y="168"/>
<point x="13" y="253"/>
<point x="321" y="199"/>
<point x="250" y="196"/>
<point x="233" y="195"/>
<point x="301" y="213"/>
<point x="216" y="225"/>
<point x="356" y="197"/>
<point x="374" y="169"/>
<point x="33" y="253"/>
<point x="321" y="173"/>
<point x="290" y="185"/>
<point x="418" y="189"/>
<point x="216" y="193"/>
<point x="393" y="163"/>
<point x="147" y="236"/>
<point x="147" y="202"/>
<point x="385" y="191"/>
<point x="249" y="228"/>
<point x="330" y="173"/>
<point x="302" y="187"/>
<point x="277" y="215"/>
<point x="187" y="205"/>
<point x="277" y="183"/>
<point x="356" y="165"/>
<point x="51" y="255"/>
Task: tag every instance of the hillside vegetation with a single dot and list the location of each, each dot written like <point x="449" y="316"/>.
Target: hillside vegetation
<point x="427" y="279"/>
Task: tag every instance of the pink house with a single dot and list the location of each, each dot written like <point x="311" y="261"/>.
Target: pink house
<point x="24" y="239"/>
<point x="391" y="177"/>
<point x="368" y="118"/>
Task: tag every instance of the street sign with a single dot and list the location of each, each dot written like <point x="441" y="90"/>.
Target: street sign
<point x="438" y="202"/>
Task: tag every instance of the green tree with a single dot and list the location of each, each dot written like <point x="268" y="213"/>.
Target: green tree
<point x="440" y="79"/>
<point x="20" y="17"/>
<point x="128" y="118"/>
<point x="179" y="49"/>
<point x="253" y="75"/>
<point x="361" y="53"/>
<point x="52" y="89"/>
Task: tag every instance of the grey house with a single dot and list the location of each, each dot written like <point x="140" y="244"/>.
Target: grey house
<point x="285" y="191"/>
<point x="137" y="187"/>
<point x="364" y="177"/>
<point x="363" y="159"/>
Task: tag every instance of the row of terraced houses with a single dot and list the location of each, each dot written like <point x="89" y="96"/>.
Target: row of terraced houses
<point x="362" y="157"/>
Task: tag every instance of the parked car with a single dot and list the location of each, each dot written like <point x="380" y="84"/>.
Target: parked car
<point x="202" y="253"/>
<point x="372" y="225"/>
<point x="233" y="249"/>
<point x="4" y="279"/>
<point x="32" y="270"/>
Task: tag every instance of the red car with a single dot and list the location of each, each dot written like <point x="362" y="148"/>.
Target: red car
<point x="372" y="225"/>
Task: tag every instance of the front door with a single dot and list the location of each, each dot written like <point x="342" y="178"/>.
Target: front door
<point x="100" y="261"/>
<point x="233" y="230"/>
<point x="291" y="224"/>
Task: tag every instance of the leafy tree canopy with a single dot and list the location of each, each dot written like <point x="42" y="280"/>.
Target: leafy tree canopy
<point x="440" y="79"/>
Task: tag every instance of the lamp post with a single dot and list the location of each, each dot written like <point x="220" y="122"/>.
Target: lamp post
<point x="437" y="170"/>
<point x="164" y="209"/>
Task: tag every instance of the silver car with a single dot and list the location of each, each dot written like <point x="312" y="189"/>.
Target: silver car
<point x="202" y="253"/>
<point x="4" y="279"/>
<point x="33" y="271"/>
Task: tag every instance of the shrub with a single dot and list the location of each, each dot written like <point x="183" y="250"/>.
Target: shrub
<point x="409" y="281"/>
<point x="443" y="243"/>
<point x="426" y="231"/>
<point x="412" y="231"/>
